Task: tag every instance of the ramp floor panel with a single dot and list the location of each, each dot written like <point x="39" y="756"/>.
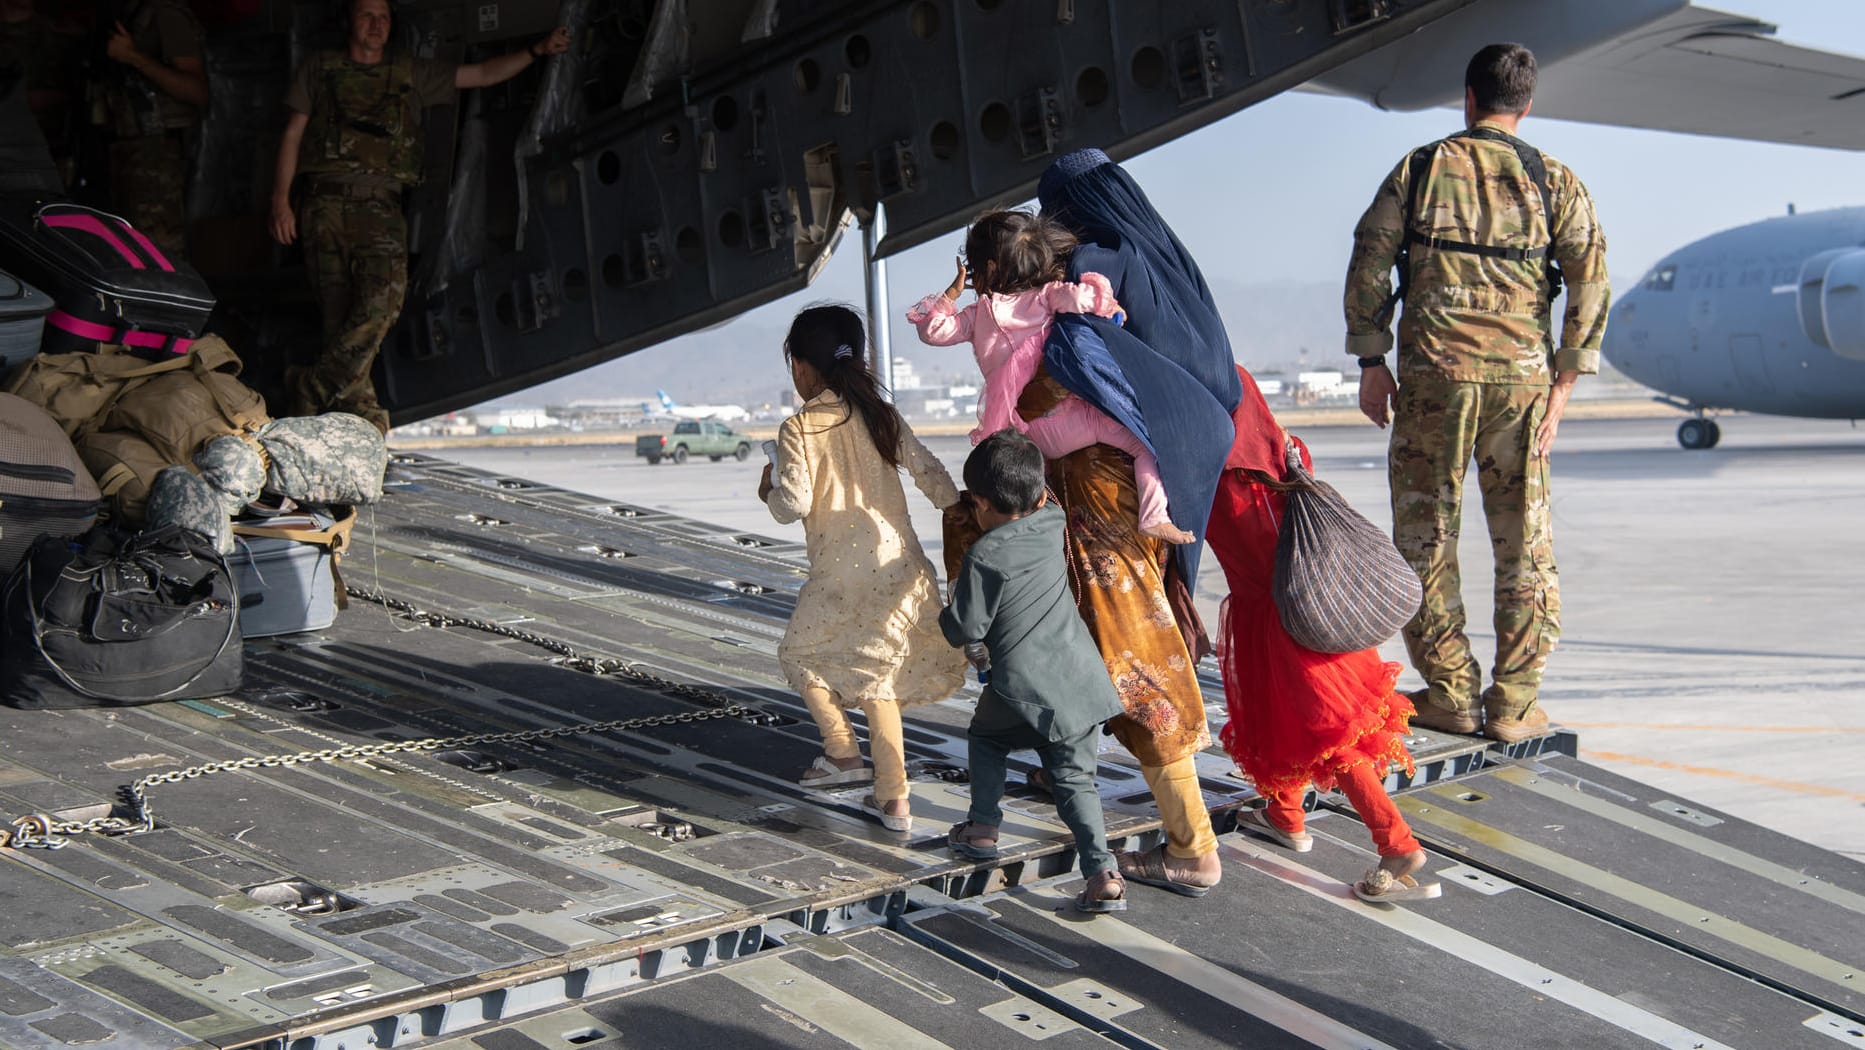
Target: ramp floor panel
<point x="1282" y="942"/>
<point x="1550" y="825"/>
<point x="869" y="989"/>
<point x="1549" y="949"/>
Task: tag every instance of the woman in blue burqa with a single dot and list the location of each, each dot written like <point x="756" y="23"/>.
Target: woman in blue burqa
<point x="1167" y="375"/>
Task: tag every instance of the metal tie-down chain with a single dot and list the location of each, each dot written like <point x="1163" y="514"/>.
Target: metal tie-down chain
<point x="40" y="831"/>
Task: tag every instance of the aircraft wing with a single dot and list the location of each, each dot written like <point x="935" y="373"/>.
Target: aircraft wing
<point x="1710" y="73"/>
<point x="1660" y="64"/>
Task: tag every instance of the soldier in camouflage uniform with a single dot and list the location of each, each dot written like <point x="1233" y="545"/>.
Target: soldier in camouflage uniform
<point x="355" y="131"/>
<point x="1478" y="377"/>
<point x="151" y="104"/>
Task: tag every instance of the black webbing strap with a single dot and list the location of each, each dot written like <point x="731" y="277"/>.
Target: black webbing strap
<point x="1420" y="166"/>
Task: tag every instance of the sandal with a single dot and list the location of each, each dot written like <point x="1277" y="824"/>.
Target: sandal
<point x="1257" y="821"/>
<point x="1090" y="898"/>
<point x="974" y="846"/>
<point x="902" y="823"/>
<point x="1380" y="886"/>
<point x="1149" y="869"/>
<point x="824" y="773"/>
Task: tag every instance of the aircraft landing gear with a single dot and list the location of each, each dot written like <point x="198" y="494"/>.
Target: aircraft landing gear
<point x="1699" y="433"/>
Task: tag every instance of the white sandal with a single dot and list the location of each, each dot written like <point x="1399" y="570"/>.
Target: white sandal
<point x="902" y="823"/>
<point x="1258" y="821"/>
<point x="1380" y="886"/>
<point x="828" y="774"/>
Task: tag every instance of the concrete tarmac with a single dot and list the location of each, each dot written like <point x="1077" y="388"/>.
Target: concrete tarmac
<point x="1713" y="643"/>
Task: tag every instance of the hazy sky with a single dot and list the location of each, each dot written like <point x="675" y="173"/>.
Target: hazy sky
<point x="1272" y="193"/>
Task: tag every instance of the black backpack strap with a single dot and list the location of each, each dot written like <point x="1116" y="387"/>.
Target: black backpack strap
<point x="1418" y="166"/>
<point x="1537" y="168"/>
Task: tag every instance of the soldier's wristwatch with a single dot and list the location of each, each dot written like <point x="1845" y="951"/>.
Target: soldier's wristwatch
<point x="1373" y="362"/>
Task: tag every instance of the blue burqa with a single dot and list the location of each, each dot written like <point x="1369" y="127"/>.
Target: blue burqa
<point x="1167" y="375"/>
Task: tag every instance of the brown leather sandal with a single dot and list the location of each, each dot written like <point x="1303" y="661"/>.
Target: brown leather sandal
<point x="1093" y="897"/>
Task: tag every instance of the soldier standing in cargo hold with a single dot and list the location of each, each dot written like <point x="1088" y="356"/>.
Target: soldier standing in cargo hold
<point x="355" y="132"/>
<point x="150" y="102"/>
<point x="1477" y="224"/>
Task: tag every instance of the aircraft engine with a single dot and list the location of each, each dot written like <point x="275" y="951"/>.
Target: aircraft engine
<point x="1832" y="301"/>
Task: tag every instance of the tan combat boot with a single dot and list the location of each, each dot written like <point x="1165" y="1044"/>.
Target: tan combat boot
<point x="1442" y="719"/>
<point x="1533" y="722"/>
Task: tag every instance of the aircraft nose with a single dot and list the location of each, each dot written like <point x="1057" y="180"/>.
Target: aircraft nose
<point x="1627" y="335"/>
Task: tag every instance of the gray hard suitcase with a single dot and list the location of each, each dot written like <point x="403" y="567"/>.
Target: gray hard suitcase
<point x="22" y="320"/>
<point x="284" y="586"/>
<point x="45" y="489"/>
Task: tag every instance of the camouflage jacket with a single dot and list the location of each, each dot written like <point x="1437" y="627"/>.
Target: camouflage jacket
<point x="1468" y="317"/>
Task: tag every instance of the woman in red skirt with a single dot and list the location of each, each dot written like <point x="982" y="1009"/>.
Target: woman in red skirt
<point x="1297" y="716"/>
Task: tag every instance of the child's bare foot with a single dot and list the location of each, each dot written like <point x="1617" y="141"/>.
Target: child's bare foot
<point x="1169" y="532"/>
<point x="1403" y="864"/>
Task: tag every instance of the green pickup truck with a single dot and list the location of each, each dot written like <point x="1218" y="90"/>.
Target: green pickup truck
<point x="715" y="441"/>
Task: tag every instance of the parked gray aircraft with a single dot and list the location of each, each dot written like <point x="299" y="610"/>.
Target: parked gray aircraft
<point x="1768" y="317"/>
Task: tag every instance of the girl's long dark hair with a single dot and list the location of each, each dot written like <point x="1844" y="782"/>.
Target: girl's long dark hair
<point x="833" y="340"/>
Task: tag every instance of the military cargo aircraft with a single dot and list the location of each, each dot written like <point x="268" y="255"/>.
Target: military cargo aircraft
<point x="532" y="789"/>
<point x="1768" y="317"/>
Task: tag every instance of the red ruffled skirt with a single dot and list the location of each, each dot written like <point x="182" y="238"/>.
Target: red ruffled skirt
<point x="1296" y="716"/>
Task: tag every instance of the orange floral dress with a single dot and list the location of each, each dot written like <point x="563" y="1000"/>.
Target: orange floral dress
<point x="1122" y="591"/>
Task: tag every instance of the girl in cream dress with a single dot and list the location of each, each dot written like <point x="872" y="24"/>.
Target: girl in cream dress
<point x="866" y="628"/>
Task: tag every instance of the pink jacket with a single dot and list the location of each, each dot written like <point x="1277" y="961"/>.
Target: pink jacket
<point x="1006" y="334"/>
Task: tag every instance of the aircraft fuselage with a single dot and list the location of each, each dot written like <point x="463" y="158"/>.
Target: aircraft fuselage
<point x="1731" y="321"/>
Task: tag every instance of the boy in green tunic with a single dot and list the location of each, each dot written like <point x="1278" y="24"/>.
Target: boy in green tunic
<point x="1048" y="690"/>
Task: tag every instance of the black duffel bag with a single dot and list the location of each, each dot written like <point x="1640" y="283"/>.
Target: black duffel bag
<point x="114" y="618"/>
<point x="1340" y="584"/>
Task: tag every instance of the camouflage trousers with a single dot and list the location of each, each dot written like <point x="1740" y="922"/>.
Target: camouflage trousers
<point x="356" y="251"/>
<point x="148" y="177"/>
<point x="1439" y="428"/>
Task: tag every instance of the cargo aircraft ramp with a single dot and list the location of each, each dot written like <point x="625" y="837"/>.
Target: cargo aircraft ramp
<point x="533" y="791"/>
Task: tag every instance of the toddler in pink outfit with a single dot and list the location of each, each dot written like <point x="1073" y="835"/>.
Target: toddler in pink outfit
<point x="1017" y="260"/>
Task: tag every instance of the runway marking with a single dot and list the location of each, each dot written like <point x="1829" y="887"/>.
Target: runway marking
<point x="1797" y="786"/>
<point x="1710" y="728"/>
